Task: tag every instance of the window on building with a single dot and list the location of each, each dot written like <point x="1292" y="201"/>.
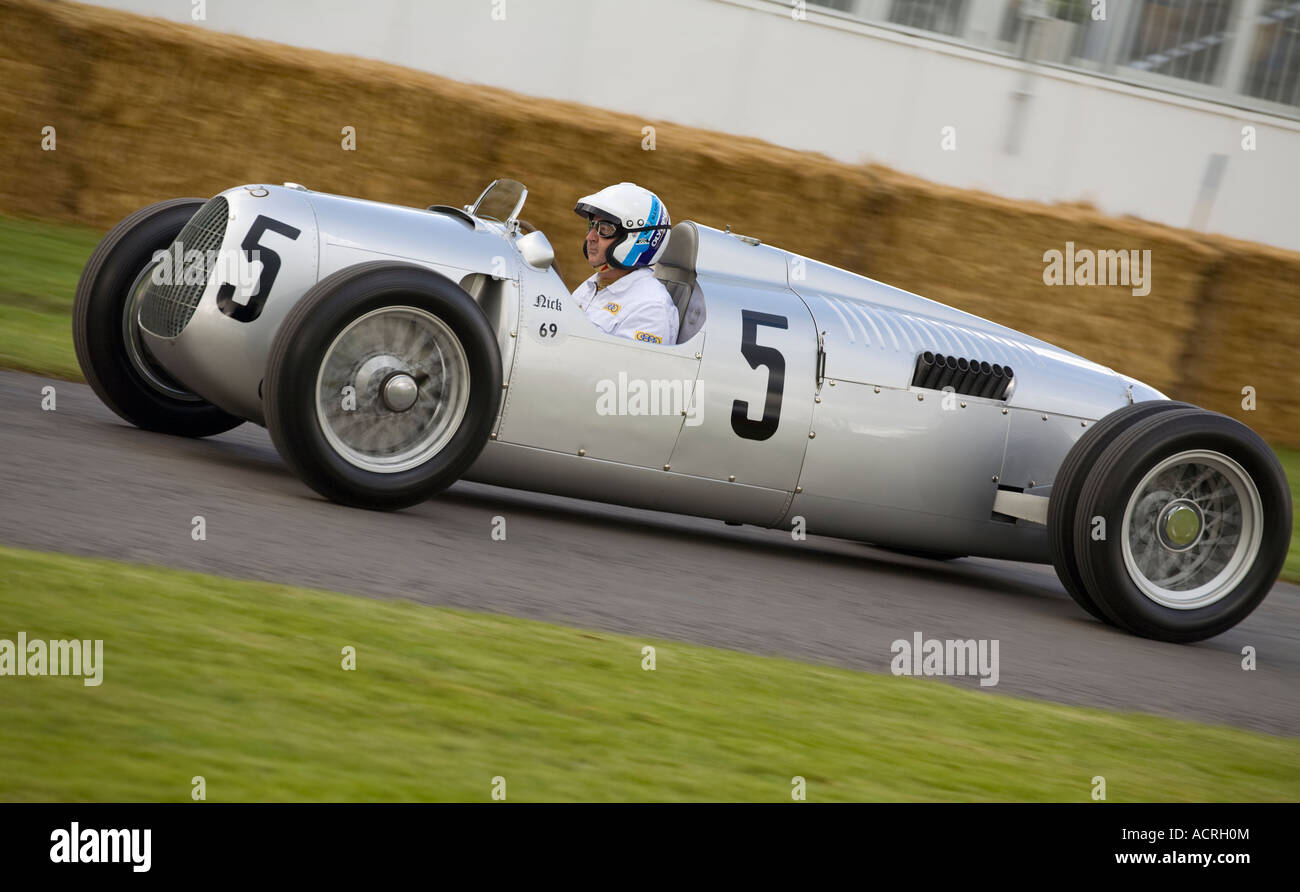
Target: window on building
<point x="841" y="5"/>
<point x="1180" y="38"/>
<point x="940" y="16"/>
<point x="1273" y="69"/>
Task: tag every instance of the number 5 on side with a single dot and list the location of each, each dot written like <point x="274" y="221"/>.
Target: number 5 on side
<point x="758" y="355"/>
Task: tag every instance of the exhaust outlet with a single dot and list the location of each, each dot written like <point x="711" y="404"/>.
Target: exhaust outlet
<point x="949" y="372"/>
<point x="932" y="376"/>
<point x="973" y="380"/>
<point x="963" y="372"/>
<point x="1008" y="379"/>
<point x="979" y="376"/>
<point x="924" y="365"/>
<point x="993" y="383"/>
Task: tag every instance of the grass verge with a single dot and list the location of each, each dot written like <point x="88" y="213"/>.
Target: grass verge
<point x="39" y="267"/>
<point x="242" y="683"/>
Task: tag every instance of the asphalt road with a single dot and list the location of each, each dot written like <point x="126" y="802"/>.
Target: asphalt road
<point x="79" y="480"/>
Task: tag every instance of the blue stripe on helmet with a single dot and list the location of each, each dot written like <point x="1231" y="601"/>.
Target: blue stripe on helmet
<point x="652" y="239"/>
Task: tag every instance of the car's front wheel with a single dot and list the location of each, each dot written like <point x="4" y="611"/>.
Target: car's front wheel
<point x="382" y="385"/>
<point x="106" y="329"/>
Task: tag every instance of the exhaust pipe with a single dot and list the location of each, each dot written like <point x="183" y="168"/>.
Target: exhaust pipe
<point x="924" y="365"/>
<point x="972" y="377"/>
<point x="949" y="372"/>
<point x="932" y="376"/>
<point x="1009" y="379"/>
<point x="963" y="372"/>
<point x="969" y="384"/>
<point x="993" y="383"/>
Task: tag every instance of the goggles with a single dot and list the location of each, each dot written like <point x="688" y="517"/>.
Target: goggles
<point x="604" y="228"/>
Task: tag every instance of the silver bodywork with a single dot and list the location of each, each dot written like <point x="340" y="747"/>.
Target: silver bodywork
<point x="857" y="451"/>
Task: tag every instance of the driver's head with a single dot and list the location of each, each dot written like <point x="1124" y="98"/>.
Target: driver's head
<point x="628" y="227"/>
<point x="602" y="230"/>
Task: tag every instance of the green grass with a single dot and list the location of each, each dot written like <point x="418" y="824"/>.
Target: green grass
<point x="39" y="267"/>
<point x="1291" y="462"/>
<point x="242" y="683"/>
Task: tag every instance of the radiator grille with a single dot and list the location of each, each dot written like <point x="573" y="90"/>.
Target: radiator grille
<point x="167" y="305"/>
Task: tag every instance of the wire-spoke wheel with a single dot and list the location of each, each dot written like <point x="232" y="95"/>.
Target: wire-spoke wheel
<point x="382" y="385"/>
<point x="1192" y="529"/>
<point x="392" y="389"/>
<point x="1183" y="525"/>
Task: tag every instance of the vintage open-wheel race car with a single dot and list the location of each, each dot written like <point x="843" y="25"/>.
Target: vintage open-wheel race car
<point x="391" y="351"/>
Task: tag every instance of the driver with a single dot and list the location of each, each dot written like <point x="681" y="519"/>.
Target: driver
<point x="627" y="231"/>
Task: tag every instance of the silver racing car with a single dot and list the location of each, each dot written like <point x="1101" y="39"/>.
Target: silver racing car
<point x="391" y="351"/>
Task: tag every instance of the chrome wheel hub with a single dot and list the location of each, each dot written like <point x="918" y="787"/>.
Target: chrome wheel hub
<point x="392" y="389"/>
<point x="1192" y="529"/>
<point x="400" y="392"/>
<point x="1180" y="525"/>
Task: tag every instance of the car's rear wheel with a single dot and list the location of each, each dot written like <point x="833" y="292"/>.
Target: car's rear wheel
<point x="1069" y="483"/>
<point x="106" y="330"/>
<point x="382" y="385"/>
<point x="1195" y="518"/>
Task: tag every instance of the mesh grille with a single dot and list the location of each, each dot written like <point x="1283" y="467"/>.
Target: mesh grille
<point x="165" y="309"/>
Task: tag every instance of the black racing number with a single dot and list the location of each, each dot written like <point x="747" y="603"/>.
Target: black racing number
<point x="775" y="362"/>
<point x="270" y="269"/>
<point x="548" y="330"/>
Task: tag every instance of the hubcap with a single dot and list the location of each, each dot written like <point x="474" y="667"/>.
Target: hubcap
<point x="392" y="389"/>
<point x="1180" y="525"/>
<point x="1192" y="529"/>
<point x="400" y="392"/>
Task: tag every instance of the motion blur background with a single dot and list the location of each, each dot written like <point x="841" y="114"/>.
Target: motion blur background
<point x="939" y="145"/>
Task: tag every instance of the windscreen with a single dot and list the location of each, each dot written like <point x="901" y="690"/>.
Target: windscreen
<point x="501" y="201"/>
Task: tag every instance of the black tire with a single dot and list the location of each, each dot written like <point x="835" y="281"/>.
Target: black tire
<point x="1114" y="480"/>
<point x="97" y="327"/>
<point x="1069" y="483"/>
<point x="302" y="344"/>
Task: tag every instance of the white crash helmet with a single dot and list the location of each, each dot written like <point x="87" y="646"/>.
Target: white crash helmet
<point x="642" y="221"/>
